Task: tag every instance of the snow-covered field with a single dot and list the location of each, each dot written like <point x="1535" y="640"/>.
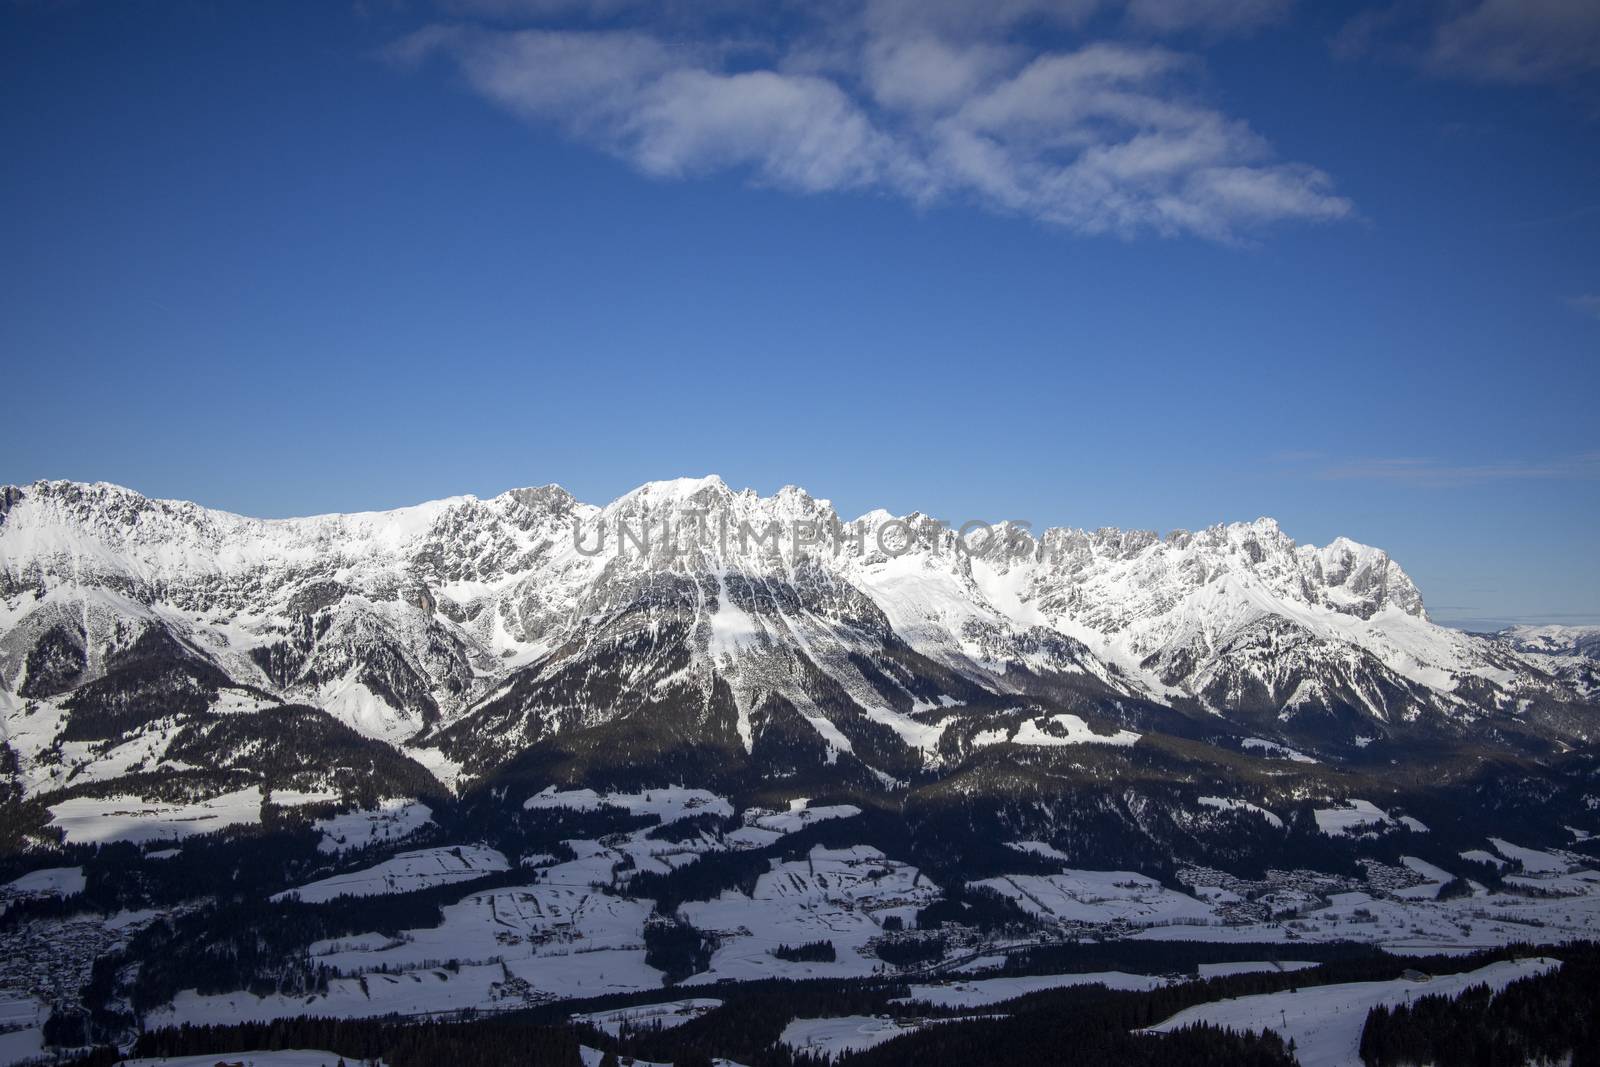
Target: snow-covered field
<point x="836" y="895"/>
<point x="405" y="873"/>
<point x="1325" y="1021"/>
<point x="1099" y="897"/>
<point x="1222" y="970"/>
<point x="392" y="820"/>
<point x="1273" y="749"/>
<point x="1039" y="848"/>
<point x="1055" y="730"/>
<point x="847" y="1033"/>
<point x="671" y="804"/>
<point x="1533" y="861"/>
<point x="562" y="916"/>
<point x="1561" y="904"/>
<point x="416" y="993"/>
<point x="800" y="815"/>
<point x="664" y="1015"/>
<point x="556" y="939"/>
<point x="21" y="1046"/>
<point x="23" y="1020"/>
<point x="593" y="1057"/>
<point x="52" y="881"/>
<point x="761" y="826"/>
<point x="1479" y="855"/>
<point x="1437" y="877"/>
<point x="283" y="1058"/>
<point x="1359" y="816"/>
<point x="560" y="936"/>
<point x="95" y="820"/>
<point x="1228" y="804"/>
<point x="571" y="931"/>
<point x="987" y="991"/>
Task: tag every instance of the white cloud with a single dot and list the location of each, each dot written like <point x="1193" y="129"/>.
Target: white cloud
<point x="963" y="19"/>
<point x="1100" y="140"/>
<point x="532" y="8"/>
<point x="583" y="79"/>
<point x="669" y="112"/>
<point x="1211" y="16"/>
<point x="1503" y="41"/>
<point x="1430" y="473"/>
<point x="801" y="132"/>
<point x="1589" y="304"/>
<point x="1519" y="40"/>
<point x="925" y="73"/>
<point x="930" y="100"/>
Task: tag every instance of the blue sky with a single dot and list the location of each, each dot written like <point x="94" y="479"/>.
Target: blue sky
<point x="1155" y="263"/>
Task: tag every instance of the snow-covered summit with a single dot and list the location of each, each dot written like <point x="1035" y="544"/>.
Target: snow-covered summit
<point x="1554" y="640"/>
<point x="498" y="618"/>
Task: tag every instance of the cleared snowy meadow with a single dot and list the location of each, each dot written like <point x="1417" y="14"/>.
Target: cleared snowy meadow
<point x="574" y="930"/>
<point x="1325" y="1021"/>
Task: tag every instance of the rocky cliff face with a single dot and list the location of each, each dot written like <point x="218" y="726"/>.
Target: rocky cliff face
<point x="718" y="632"/>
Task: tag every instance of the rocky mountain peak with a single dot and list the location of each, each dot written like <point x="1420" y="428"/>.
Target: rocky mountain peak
<point x="467" y="629"/>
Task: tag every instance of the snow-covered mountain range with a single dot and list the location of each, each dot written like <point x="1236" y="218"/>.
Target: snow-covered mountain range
<point x="464" y="634"/>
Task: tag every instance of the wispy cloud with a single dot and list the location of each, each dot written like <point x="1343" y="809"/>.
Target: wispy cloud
<point x="1477" y="620"/>
<point x="1208" y="16"/>
<point x="1505" y="41"/>
<point x="1518" y="40"/>
<point x="1434" y="474"/>
<point x="1589" y="304"/>
<point x="932" y="101"/>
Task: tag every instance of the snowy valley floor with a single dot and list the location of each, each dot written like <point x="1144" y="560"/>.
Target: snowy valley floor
<point x="563" y="928"/>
